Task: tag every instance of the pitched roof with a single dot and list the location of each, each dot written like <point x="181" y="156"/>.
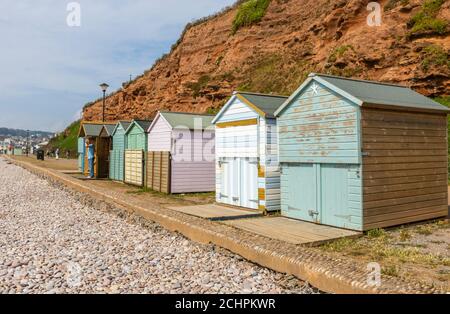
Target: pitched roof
<point x="143" y="124"/>
<point x="90" y="129"/>
<point x="264" y="104"/>
<point x="110" y="128"/>
<point x="268" y="104"/>
<point x="364" y="92"/>
<point x="186" y="120"/>
<point x="125" y="124"/>
<point x="93" y="129"/>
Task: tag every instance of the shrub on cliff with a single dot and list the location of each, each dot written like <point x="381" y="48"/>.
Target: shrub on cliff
<point x="425" y="21"/>
<point x="250" y="12"/>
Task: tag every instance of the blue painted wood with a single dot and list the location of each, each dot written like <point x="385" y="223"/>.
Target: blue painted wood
<point x="336" y="189"/>
<point x="322" y="125"/>
<point x="298" y="191"/>
<point x="81" y="152"/>
<point x="320" y="155"/>
<point x="116" y="156"/>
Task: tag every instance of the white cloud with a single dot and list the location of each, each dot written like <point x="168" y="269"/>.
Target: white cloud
<point x="49" y="70"/>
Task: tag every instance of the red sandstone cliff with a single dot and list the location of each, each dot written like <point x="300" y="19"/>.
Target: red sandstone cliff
<point x="295" y="37"/>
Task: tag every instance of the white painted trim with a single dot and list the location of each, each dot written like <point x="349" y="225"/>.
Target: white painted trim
<point x="224" y="108"/>
<point x="339" y="91"/>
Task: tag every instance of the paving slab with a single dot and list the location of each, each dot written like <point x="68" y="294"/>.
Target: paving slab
<point x="291" y="230"/>
<point x="216" y="212"/>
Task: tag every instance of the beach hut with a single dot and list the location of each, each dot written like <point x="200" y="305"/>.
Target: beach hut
<point x="117" y="154"/>
<point x="247" y="172"/>
<point x="102" y="143"/>
<point x="135" y="146"/>
<point x="362" y="155"/>
<point x="181" y="155"/>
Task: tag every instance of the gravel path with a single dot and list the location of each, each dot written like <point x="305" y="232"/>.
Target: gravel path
<point x="50" y="242"/>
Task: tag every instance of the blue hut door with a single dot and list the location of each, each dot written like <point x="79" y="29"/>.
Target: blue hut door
<point x="320" y="193"/>
<point x="301" y="196"/>
<point x="337" y="189"/>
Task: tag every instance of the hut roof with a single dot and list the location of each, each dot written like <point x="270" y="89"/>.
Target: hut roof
<point x="142" y="124"/>
<point x="124" y="124"/>
<point x="186" y="120"/>
<point x="363" y="92"/>
<point x="263" y="104"/>
<point x="92" y="129"/>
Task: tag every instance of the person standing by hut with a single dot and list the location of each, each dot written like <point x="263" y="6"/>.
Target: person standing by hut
<point x="57" y="153"/>
<point x="91" y="156"/>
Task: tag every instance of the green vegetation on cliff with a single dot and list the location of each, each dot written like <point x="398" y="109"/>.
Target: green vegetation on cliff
<point x="66" y="140"/>
<point x="250" y="12"/>
<point x="426" y="21"/>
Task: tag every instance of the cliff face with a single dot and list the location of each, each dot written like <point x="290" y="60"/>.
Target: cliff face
<point x="294" y="37"/>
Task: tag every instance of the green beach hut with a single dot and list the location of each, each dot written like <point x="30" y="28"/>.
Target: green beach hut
<point x="117" y="154"/>
<point x="136" y="141"/>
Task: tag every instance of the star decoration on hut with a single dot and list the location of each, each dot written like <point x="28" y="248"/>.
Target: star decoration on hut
<point x="315" y="89"/>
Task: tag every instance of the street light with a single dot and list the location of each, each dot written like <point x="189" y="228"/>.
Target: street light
<point x="104" y="87"/>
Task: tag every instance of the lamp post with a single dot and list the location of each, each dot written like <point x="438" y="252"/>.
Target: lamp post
<point x="104" y="87"/>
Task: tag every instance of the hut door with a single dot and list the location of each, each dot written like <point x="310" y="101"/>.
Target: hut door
<point x="320" y="193"/>
<point x="239" y="185"/>
<point x="230" y="182"/>
<point x="301" y="193"/>
<point x="336" y="192"/>
<point x="249" y="183"/>
<point x="102" y="157"/>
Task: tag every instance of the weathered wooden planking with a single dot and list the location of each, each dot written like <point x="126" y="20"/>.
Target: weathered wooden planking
<point x="404" y="168"/>
<point x="402" y="132"/>
<point x="319" y="128"/>
<point x="290" y="230"/>
<point x="158" y="171"/>
<point x="242" y="133"/>
<point x="404" y="159"/>
<point x="404" y="173"/>
<point x="392" y="182"/>
<point x="405" y="152"/>
<point x="134" y="171"/>
<point x="374" y="212"/>
<point x="385" y="188"/>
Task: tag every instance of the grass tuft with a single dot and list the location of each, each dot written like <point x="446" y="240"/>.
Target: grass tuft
<point x="249" y="12"/>
<point x="435" y="55"/>
<point x="376" y="233"/>
<point x="426" y="21"/>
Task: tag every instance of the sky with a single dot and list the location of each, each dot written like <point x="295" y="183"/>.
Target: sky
<point x="49" y="70"/>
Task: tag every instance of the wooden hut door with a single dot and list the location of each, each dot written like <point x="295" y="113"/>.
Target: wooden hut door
<point x="249" y="183"/>
<point x="301" y="192"/>
<point x="102" y="157"/>
<point x="239" y="185"/>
